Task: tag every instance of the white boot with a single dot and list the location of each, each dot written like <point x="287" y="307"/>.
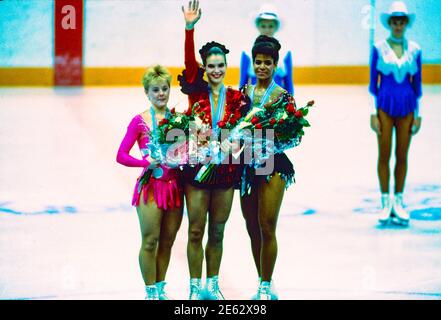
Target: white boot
<point x="161" y="292"/>
<point x="401" y="214"/>
<point x="151" y="292"/>
<point x="273" y="292"/>
<point x="386" y="208"/>
<point x="212" y="291"/>
<point x="195" y="289"/>
<point x="264" y="291"/>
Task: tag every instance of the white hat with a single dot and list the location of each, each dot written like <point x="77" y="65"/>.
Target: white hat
<point x="397" y="9"/>
<point x="268" y="12"/>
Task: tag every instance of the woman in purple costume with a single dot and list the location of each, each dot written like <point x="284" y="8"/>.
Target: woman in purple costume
<point x="395" y="82"/>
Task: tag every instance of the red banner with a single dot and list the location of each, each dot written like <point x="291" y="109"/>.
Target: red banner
<point x="68" y="65"/>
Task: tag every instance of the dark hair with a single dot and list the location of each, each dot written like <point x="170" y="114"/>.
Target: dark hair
<point x="399" y="18"/>
<point x="266" y="45"/>
<point x="211" y="48"/>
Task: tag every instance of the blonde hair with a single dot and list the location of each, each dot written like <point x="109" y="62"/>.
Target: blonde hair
<point x="155" y="73"/>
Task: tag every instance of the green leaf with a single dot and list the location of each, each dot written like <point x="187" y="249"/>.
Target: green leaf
<point x="304" y="111"/>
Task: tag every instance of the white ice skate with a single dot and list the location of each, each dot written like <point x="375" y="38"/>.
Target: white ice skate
<point x="161" y="291"/>
<point x="195" y="289"/>
<point x="212" y="291"/>
<point x="386" y="209"/>
<point x="273" y="292"/>
<point x="401" y="215"/>
<point x="151" y="293"/>
<point x="264" y="291"/>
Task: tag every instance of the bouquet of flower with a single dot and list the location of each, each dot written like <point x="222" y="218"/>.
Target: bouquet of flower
<point x="230" y="120"/>
<point x="159" y="146"/>
<point x="283" y="117"/>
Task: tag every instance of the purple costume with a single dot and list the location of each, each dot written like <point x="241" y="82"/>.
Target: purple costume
<point x="396" y="82"/>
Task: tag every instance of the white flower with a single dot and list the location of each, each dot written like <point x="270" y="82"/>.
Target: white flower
<point x="198" y="122"/>
<point x="252" y="113"/>
<point x="178" y="119"/>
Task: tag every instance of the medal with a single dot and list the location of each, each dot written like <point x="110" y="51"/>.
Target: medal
<point x="158" y="172"/>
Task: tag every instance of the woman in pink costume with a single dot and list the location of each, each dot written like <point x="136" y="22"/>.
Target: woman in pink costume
<point x="158" y="201"/>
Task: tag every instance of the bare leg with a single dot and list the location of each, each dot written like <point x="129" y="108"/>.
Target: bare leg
<point x="198" y="201"/>
<point x="249" y="205"/>
<point x="270" y="200"/>
<point x="171" y="222"/>
<point x="150" y="223"/>
<point x="384" y="150"/>
<point x="220" y="208"/>
<point x="403" y="126"/>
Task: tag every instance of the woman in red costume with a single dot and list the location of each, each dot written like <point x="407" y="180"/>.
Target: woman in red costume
<point x="210" y="200"/>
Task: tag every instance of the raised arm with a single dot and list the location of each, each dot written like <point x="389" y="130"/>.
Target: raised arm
<point x="123" y="157"/>
<point x="191" y="15"/>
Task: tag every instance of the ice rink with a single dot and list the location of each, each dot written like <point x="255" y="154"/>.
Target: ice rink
<point x="67" y="230"/>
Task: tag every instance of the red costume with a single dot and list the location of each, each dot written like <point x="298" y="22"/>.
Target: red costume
<point x="236" y="106"/>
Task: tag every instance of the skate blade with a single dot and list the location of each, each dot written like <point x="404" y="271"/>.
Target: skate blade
<point x="400" y="222"/>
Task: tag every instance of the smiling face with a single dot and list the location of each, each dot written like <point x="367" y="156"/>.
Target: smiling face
<point x="267" y="27"/>
<point x="398" y="26"/>
<point x="216" y="68"/>
<point x="264" y="66"/>
<point x="159" y="93"/>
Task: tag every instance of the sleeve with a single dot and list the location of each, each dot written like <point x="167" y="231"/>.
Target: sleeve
<point x="123" y="157"/>
<point x="373" y="83"/>
<point x="192" y="78"/>
<point x="417" y="83"/>
<point x="244" y="66"/>
<point x="191" y="65"/>
<point x="289" y="85"/>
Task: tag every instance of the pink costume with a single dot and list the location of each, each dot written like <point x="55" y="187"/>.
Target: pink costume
<point x="166" y="190"/>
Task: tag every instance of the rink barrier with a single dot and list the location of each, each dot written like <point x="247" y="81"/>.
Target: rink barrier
<point x="131" y="76"/>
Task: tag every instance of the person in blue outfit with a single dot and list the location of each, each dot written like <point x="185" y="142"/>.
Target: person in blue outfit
<point x="268" y="23"/>
<point x="395" y="82"/>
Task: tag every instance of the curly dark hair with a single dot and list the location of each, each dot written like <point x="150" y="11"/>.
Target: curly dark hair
<point x="268" y="46"/>
<point x="211" y="48"/>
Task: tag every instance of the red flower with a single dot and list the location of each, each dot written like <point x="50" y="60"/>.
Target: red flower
<point x="258" y="126"/>
<point x="221" y="124"/>
<point x="173" y="111"/>
<point x="233" y="121"/>
<point x="272" y="121"/>
<point x="234" y="95"/>
<point x="163" y="121"/>
<point x="255" y="120"/>
<point x="281" y="121"/>
<point x="298" y="114"/>
<point x="189" y="112"/>
<point x="290" y="108"/>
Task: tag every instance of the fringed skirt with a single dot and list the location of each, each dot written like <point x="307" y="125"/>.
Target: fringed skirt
<point x="166" y="191"/>
<point x="282" y="165"/>
<point x="224" y="176"/>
